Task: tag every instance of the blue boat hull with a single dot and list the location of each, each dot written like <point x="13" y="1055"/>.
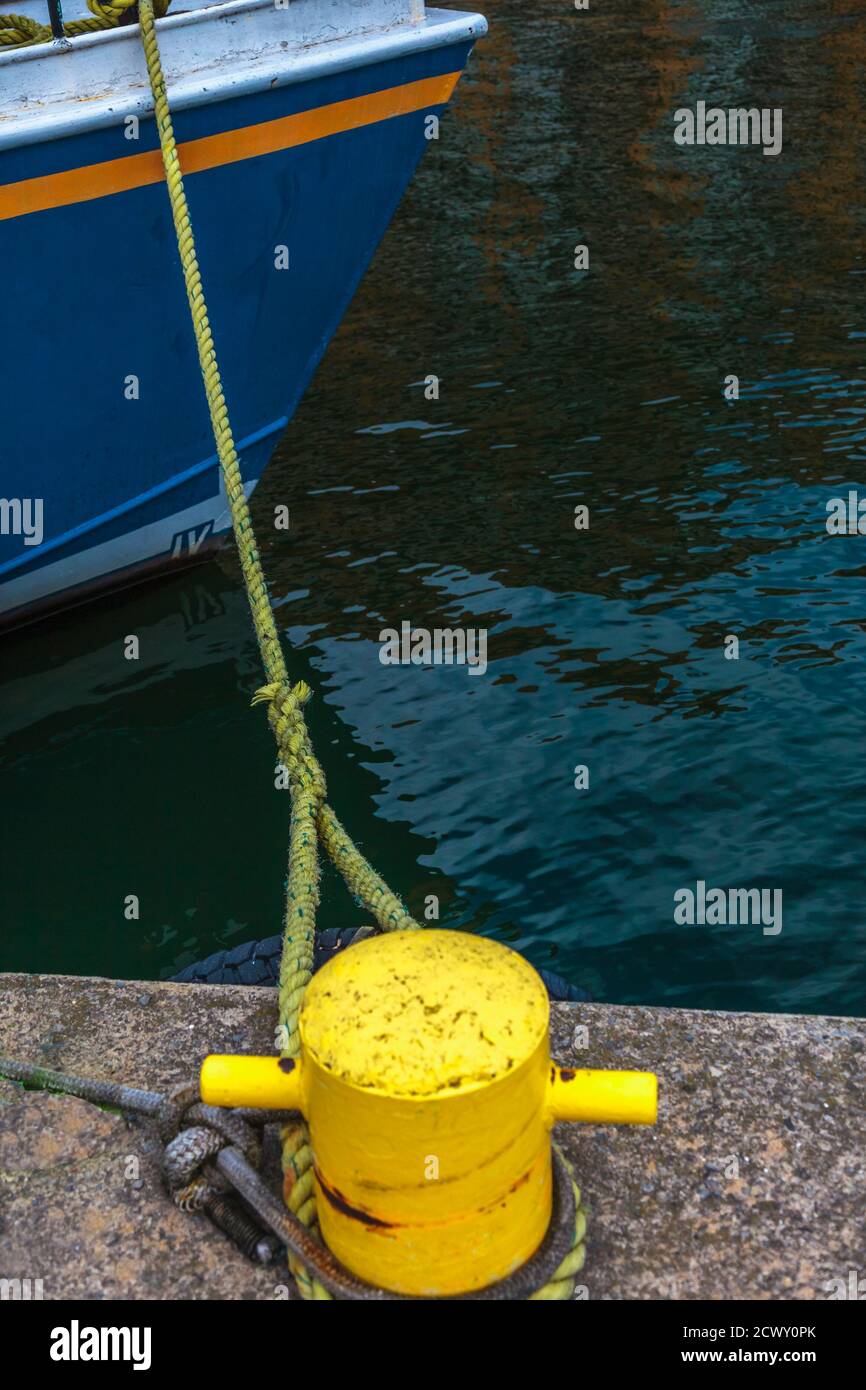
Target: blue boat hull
<point x="106" y="421"/>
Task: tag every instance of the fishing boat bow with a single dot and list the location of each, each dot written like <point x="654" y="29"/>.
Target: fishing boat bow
<point x="299" y="125"/>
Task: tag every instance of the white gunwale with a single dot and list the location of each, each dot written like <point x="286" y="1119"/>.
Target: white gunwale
<point x="209" y="54"/>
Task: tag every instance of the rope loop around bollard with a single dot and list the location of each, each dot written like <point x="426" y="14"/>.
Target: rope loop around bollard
<point x="344" y="1286"/>
<point x="230" y="1132"/>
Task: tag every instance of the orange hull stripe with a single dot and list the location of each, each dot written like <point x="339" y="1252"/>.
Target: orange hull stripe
<point x="211" y="151"/>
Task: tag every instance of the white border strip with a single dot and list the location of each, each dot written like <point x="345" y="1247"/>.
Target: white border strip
<point x="233" y="77"/>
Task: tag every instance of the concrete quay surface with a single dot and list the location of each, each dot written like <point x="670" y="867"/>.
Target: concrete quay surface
<point x="751" y="1185"/>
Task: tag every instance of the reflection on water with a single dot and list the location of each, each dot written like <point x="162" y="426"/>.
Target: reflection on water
<point x="606" y="647"/>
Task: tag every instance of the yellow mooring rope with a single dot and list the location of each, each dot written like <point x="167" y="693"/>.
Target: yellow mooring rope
<point x="312" y="820"/>
<point x="20" y="31"/>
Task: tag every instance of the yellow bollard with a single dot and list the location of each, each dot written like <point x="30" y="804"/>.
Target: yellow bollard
<point x="426" y="1079"/>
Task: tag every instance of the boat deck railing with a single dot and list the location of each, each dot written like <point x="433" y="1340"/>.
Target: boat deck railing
<point x="55" y="19"/>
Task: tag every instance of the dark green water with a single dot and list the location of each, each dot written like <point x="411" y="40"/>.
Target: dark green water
<point x="606" y="647"/>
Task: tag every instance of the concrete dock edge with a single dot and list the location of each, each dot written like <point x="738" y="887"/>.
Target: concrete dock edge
<point x="751" y="1185"/>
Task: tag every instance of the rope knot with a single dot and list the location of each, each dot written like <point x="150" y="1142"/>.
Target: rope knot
<point x="286" y="717"/>
<point x="193" y="1134"/>
<point x="287" y="697"/>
